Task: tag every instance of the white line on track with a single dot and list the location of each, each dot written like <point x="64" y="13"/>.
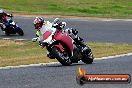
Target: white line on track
<point x="30" y="65"/>
<point x="116" y="19"/>
<point x="74" y="17"/>
<point x="55" y="63"/>
<point x="14" y="39"/>
<point x="116" y="56"/>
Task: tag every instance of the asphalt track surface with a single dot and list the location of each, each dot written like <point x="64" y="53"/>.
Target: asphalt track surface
<point x="91" y="30"/>
<point x="58" y="76"/>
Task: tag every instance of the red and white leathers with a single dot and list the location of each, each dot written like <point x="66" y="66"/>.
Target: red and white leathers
<point x="46" y="26"/>
<point x="3" y="18"/>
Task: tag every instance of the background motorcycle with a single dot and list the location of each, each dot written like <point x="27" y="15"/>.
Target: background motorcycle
<point x="12" y="28"/>
<point x="62" y="47"/>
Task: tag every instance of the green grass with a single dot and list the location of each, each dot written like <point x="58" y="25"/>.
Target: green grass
<point x="27" y="52"/>
<point x="96" y="8"/>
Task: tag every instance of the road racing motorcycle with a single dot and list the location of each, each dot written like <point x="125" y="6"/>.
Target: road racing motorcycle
<point x="62" y="47"/>
<point x="11" y="28"/>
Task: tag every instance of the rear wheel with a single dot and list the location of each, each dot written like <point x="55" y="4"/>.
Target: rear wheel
<point x="7" y="33"/>
<point x="88" y="56"/>
<point x="63" y="58"/>
<point x="20" y="31"/>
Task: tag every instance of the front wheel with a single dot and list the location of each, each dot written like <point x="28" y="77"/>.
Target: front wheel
<point x="63" y="58"/>
<point x="7" y="33"/>
<point x="20" y="31"/>
<point x="88" y="56"/>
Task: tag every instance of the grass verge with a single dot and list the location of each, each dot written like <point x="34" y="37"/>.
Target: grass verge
<point x="97" y="8"/>
<point x="26" y="52"/>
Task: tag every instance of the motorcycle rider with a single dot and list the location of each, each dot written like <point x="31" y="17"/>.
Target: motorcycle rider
<point x="72" y="33"/>
<point x="3" y="19"/>
<point x="39" y="23"/>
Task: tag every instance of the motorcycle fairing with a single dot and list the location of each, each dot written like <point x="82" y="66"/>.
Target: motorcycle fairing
<point x="60" y="47"/>
<point x="64" y="37"/>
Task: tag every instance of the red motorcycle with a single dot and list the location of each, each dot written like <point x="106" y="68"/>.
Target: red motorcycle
<point x="62" y="47"/>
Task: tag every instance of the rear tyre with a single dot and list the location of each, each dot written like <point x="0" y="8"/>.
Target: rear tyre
<point x="7" y="33"/>
<point x="20" y="31"/>
<point x="88" y="57"/>
<point x="63" y="58"/>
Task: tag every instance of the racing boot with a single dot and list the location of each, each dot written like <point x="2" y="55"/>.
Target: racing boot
<point x="80" y="42"/>
<point x="73" y="33"/>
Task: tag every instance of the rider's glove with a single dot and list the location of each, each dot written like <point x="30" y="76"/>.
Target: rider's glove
<point x="34" y="39"/>
<point x="55" y="25"/>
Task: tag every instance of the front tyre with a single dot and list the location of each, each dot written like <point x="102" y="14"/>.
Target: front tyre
<point x="7" y="33"/>
<point x="20" y="31"/>
<point x="63" y="58"/>
<point x="88" y="56"/>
